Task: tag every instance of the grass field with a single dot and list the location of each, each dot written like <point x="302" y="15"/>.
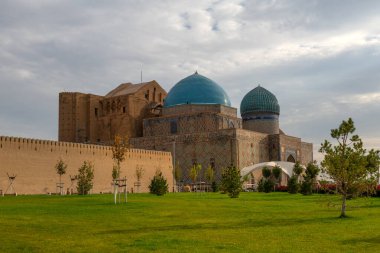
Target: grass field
<point x="188" y="222"/>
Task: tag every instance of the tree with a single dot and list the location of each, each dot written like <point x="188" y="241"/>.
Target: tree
<point x="85" y="178"/>
<point x="293" y="183"/>
<point x="297" y="170"/>
<point x="277" y="174"/>
<point x="309" y="178"/>
<point x="210" y="174"/>
<point x="231" y="181"/>
<point x="60" y="167"/>
<point x="119" y="148"/>
<point x="293" y="186"/>
<point x="267" y="183"/>
<point x="349" y="164"/>
<point x="194" y="172"/>
<point x="158" y="185"/>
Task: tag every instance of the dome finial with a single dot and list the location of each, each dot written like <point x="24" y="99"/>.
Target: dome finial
<point x="259" y="85"/>
<point x="196" y="72"/>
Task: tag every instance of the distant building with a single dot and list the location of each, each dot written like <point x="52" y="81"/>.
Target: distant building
<point x="194" y="121"/>
<point x="88" y="118"/>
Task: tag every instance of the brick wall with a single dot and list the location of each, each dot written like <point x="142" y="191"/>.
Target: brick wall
<point x="33" y="161"/>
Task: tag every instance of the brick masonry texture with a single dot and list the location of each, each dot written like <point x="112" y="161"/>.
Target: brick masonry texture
<point x="33" y="161"/>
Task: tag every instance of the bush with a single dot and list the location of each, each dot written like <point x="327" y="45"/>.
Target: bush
<point x="293" y="186"/>
<point x="85" y="178"/>
<point x="158" y="185"/>
<point x="260" y="186"/>
<point x="306" y="187"/>
<point x="231" y="182"/>
<point x="214" y="186"/>
<point x="268" y="186"/>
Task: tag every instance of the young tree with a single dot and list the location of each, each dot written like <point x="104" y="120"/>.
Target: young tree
<point x="85" y="178"/>
<point x="297" y="170"/>
<point x="209" y="174"/>
<point x="268" y="182"/>
<point x="231" y="181"/>
<point x="158" y="185"/>
<point x="277" y="174"/>
<point x="60" y="167"/>
<point x="194" y="172"/>
<point x="348" y="163"/>
<point x="309" y="178"/>
<point x="119" y="148"/>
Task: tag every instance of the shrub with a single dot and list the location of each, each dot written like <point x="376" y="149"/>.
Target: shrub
<point x="306" y="187"/>
<point x="231" y="182"/>
<point x="158" y="185"/>
<point x="260" y="186"/>
<point x="85" y="178"/>
<point x="214" y="186"/>
<point x="293" y="185"/>
<point x="268" y="186"/>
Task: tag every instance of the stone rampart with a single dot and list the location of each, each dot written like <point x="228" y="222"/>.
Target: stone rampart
<point x="33" y="161"/>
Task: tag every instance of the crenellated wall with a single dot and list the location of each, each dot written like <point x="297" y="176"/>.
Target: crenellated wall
<point x="33" y="161"/>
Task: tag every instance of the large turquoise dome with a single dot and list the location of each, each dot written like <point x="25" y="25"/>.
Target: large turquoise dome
<point x="196" y="89"/>
<point x="259" y="100"/>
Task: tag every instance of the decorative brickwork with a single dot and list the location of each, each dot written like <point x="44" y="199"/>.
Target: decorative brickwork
<point x="87" y="118"/>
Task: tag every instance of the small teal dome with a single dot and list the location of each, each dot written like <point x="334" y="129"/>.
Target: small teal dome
<point x="196" y="89"/>
<point x="259" y="100"/>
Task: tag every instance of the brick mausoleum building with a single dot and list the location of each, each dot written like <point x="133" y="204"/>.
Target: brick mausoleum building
<point x="194" y="121"/>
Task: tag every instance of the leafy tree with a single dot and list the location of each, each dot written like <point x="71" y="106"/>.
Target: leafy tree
<point x="293" y="186"/>
<point x="119" y="148"/>
<point x="349" y="164"/>
<point x="293" y="183"/>
<point x="158" y="185"/>
<point x="268" y="180"/>
<point x="85" y="178"/>
<point x="309" y="178"/>
<point x="266" y="173"/>
<point x="60" y="167"/>
<point x="277" y="173"/>
<point x="194" y="172"/>
<point x="231" y="181"/>
<point x="210" y="175"/>
<point x="297" y="170"/>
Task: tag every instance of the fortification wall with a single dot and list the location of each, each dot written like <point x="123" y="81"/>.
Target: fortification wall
<point x="33" y="161"/>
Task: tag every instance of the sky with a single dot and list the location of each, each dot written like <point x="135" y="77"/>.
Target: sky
<point x="320" y="58"/>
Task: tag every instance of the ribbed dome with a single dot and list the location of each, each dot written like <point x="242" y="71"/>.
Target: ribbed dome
<point x="196" y="89"/>
<point x="259" y="100"/>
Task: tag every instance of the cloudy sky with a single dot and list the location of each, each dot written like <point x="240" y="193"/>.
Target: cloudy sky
<point x="320" y="58"/>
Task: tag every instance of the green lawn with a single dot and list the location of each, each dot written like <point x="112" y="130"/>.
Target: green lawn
<point x="188" y="222"/>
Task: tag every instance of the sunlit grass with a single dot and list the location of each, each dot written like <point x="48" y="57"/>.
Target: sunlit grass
<point x="276" y="222"/>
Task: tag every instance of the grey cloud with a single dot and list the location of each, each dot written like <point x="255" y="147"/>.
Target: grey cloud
<point x="92" y="46"/>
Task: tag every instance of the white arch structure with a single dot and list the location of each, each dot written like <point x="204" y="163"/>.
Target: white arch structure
<point x="287" y="167"/>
